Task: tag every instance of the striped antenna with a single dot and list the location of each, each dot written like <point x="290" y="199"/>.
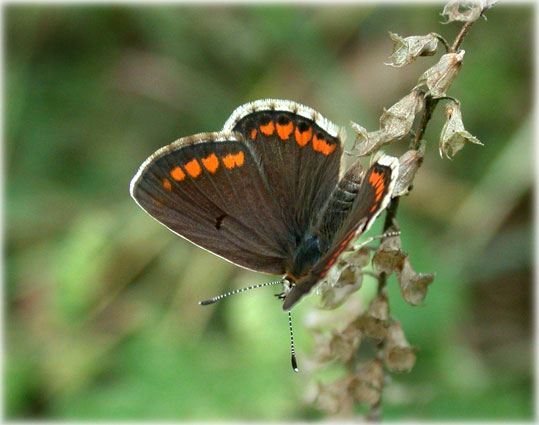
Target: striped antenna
<point x="292" y="348"/>
<point x="235" y="291"/>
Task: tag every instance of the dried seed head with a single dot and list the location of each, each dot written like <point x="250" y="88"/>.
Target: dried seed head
<point x="439" y="77"/>
<point x="389" y="256"/>
<point x="334" y="398"/>
<point x="466" y="10"/>
<point x="375" y="321"/>
<point x="413" y="285"/>
<point x="454" y="136"/>
<point x="406" y="50"/>
<point x="395" y="123"/>
<point x="366" y="385"/>
<point x="399" y="355"/>
<point x="342" y="281"/>
<point x="409" y="163"/>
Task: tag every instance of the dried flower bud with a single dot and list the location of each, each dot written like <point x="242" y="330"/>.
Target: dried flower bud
<point x="409" y="163"/>
<point x="454" y="136"/>
<point x="399" y="355"/>
<point x="359" y="257"/>
<point x="374" y="322"/>
<point x="466" y="10"/>
<point x="379" y="308"/>
<point x="365" y="142"/>
<point x="413" y="285"/>
<point x="366" y="385"/>
<point x="406" y="50"/>
<point x="395" y="123"/>
<point x="389" y="256"/>
<point x="343" y="345"/>
<point x="342" y="281"/>
<point x="334" y="398"/>
<point x="439" y="77"/>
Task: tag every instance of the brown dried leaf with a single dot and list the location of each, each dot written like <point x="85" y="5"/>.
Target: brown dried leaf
<point x="406" y="50"/>
<point x="413" y="285"/>
<point x="439" y="77"/>
<point x="399" y="355"/>
<point x="454" y="136"/>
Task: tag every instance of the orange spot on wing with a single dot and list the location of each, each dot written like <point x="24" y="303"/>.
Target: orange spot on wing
<point x="320" y="145"/>
<point x="284" y="131"/>
<point x="253" y="133"/>
<point x="177" y="174"/>
<point x="376" y="180"/>
<point x="193" y="168"/>
<point x="166" y="184"/>
<point x="268" y="129"/>
<point x="211" y="163"/>
<point x="303" y="138"/>
<point x="233" y="160"/>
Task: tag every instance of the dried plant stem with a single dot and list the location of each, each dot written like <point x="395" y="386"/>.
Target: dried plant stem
<point x="375" y="412"/>
<point x="460" y="38"/>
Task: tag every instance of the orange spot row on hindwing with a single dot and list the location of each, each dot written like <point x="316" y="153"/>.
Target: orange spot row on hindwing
<point x="376" y="179"/>
<point x="210" y="163"/>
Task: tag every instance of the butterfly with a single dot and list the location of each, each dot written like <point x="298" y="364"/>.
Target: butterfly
<point x="268" y="192"/>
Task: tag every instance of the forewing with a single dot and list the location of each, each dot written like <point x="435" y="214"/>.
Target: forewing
<point x="210" y="189"/>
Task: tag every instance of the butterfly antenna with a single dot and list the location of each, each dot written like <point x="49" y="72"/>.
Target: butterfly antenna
<point x="292" y="348"/>
<point x="235" y="291"/>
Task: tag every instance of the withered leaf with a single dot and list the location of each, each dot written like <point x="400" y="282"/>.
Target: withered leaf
<point x="406" y="50"/>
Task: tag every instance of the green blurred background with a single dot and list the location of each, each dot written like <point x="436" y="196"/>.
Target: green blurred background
<point x="101" y="314"/>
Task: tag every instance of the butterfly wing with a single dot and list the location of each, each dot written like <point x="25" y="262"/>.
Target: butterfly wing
<point x="210" y="189"/>
<point x="300" y="152"/>
<point x="373" y="195"/>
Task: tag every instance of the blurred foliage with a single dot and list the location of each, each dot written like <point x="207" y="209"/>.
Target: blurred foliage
<point x="101" y="314"/>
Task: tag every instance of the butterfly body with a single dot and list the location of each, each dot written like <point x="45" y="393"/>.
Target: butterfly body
<point x="267" y="192"/>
